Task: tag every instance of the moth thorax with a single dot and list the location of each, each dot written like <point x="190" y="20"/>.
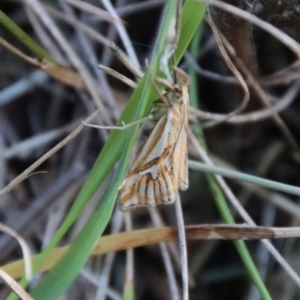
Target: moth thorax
<point x="174" y="97"/>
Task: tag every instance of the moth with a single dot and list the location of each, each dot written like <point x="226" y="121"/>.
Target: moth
<point x="160" y="169"/>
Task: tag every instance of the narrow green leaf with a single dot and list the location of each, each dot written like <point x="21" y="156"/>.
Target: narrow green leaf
<point x="78" y="254"/>
<point x="22" y="36"/>
<point x="65" y="271"/>
<point x="138" y="106"/>
<point x="274" y="185"/>
<point x="217" y="192"/>
<point x="128" y="292"/>
<point x="192" y="16"/>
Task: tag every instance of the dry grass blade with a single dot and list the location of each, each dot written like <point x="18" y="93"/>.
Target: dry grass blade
<point x="242" y="212"/>
<point x="63" y="74"/>
<point x="166" y="253"/>
<point x="266" y="101"/>
<point x="282" y="77"/>
<point x="60" y="145"/>
<point x="120" y="55"/>
<point x="129" y="270"/>
<point x="37" y="141"/>
<point x="256" y="116"/>
<point x="15" y="286"/>
<point x="123" y="34"/>
<point x="182" y="249"/>
<point x="104" y="15"/>
<point x="24" y="247"/>
<point x="40" y="12"/>
<point x="18" y="53"/>
<point x="143" y="237"/>
<point x="103" y="282"/>
<point x="232" y="68"/>
<point x="77" y="24"/>
<point x="118" y="76"/>
<point x="274" y="31"/>
<point x="45" y="110"/>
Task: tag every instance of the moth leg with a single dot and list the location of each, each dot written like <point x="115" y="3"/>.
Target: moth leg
<point x="124" y="127"/>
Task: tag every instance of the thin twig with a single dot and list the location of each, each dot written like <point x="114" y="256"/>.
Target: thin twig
<point x="23" y="86"/>
<point x="25" y="248"/>
<point x="123" y="34"/>
<point x="232" y="68"/>
<point x="14" y="286"/>
<point x="183" y="249"/>
<point x="74" y="175"/>
<point x="25" y="148"/>
<point x="109" y="292"/>
<point x="74" y="58"/>
<point x="129" y="269"/>
<point x="121" y="56"/>
<point x="92" y="9"/>
<point x="60" y="145"/>
<point x="44" y="36"/>
<point x="157" y="221"/>
<point x="18" y="53"/>
<point x="234" y="201"/>
<point x="285" y="101"/>
<point x="133" y="8"/>
<point x="118" y="76"/>
<point x="92" y="59"/>
<point x="78" y="24"/>
<point x="266" y="101"/>
<point x="277" y="199"/>
<point x="104" y="278"/>
<point x="283" y="76"/>
<point x="291" y="43"/>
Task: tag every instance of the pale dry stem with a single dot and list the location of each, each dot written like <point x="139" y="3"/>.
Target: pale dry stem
<point x="232" y="67"/>
<point x="242" y="212"/>
<point x="60" y="145"/>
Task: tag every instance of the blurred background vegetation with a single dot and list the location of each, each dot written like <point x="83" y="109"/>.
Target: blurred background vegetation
<point x="40" y="105"/>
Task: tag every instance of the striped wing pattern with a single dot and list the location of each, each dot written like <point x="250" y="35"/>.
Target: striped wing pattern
<point x="160" y="169"/>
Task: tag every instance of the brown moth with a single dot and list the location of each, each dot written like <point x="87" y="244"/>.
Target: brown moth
<point x="160" y="169"/>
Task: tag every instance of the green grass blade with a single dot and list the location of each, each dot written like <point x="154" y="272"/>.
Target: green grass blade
<point x="129" y="292"/>
<point x="274" y="185"/>
<point x="192" y="14"/>
<point x="240" y="245"/>
<point x="113" y="147"/>
<point x="66" y="270"/>
<point x="22" y="36"/>
<point x="112" y="150"/>
<point x="217" y="192"/>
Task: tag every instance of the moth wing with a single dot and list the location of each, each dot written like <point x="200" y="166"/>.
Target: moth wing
<point x="181" y="154"/>
<point x="153" y="177"/>
<point x="181" y="160"/>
